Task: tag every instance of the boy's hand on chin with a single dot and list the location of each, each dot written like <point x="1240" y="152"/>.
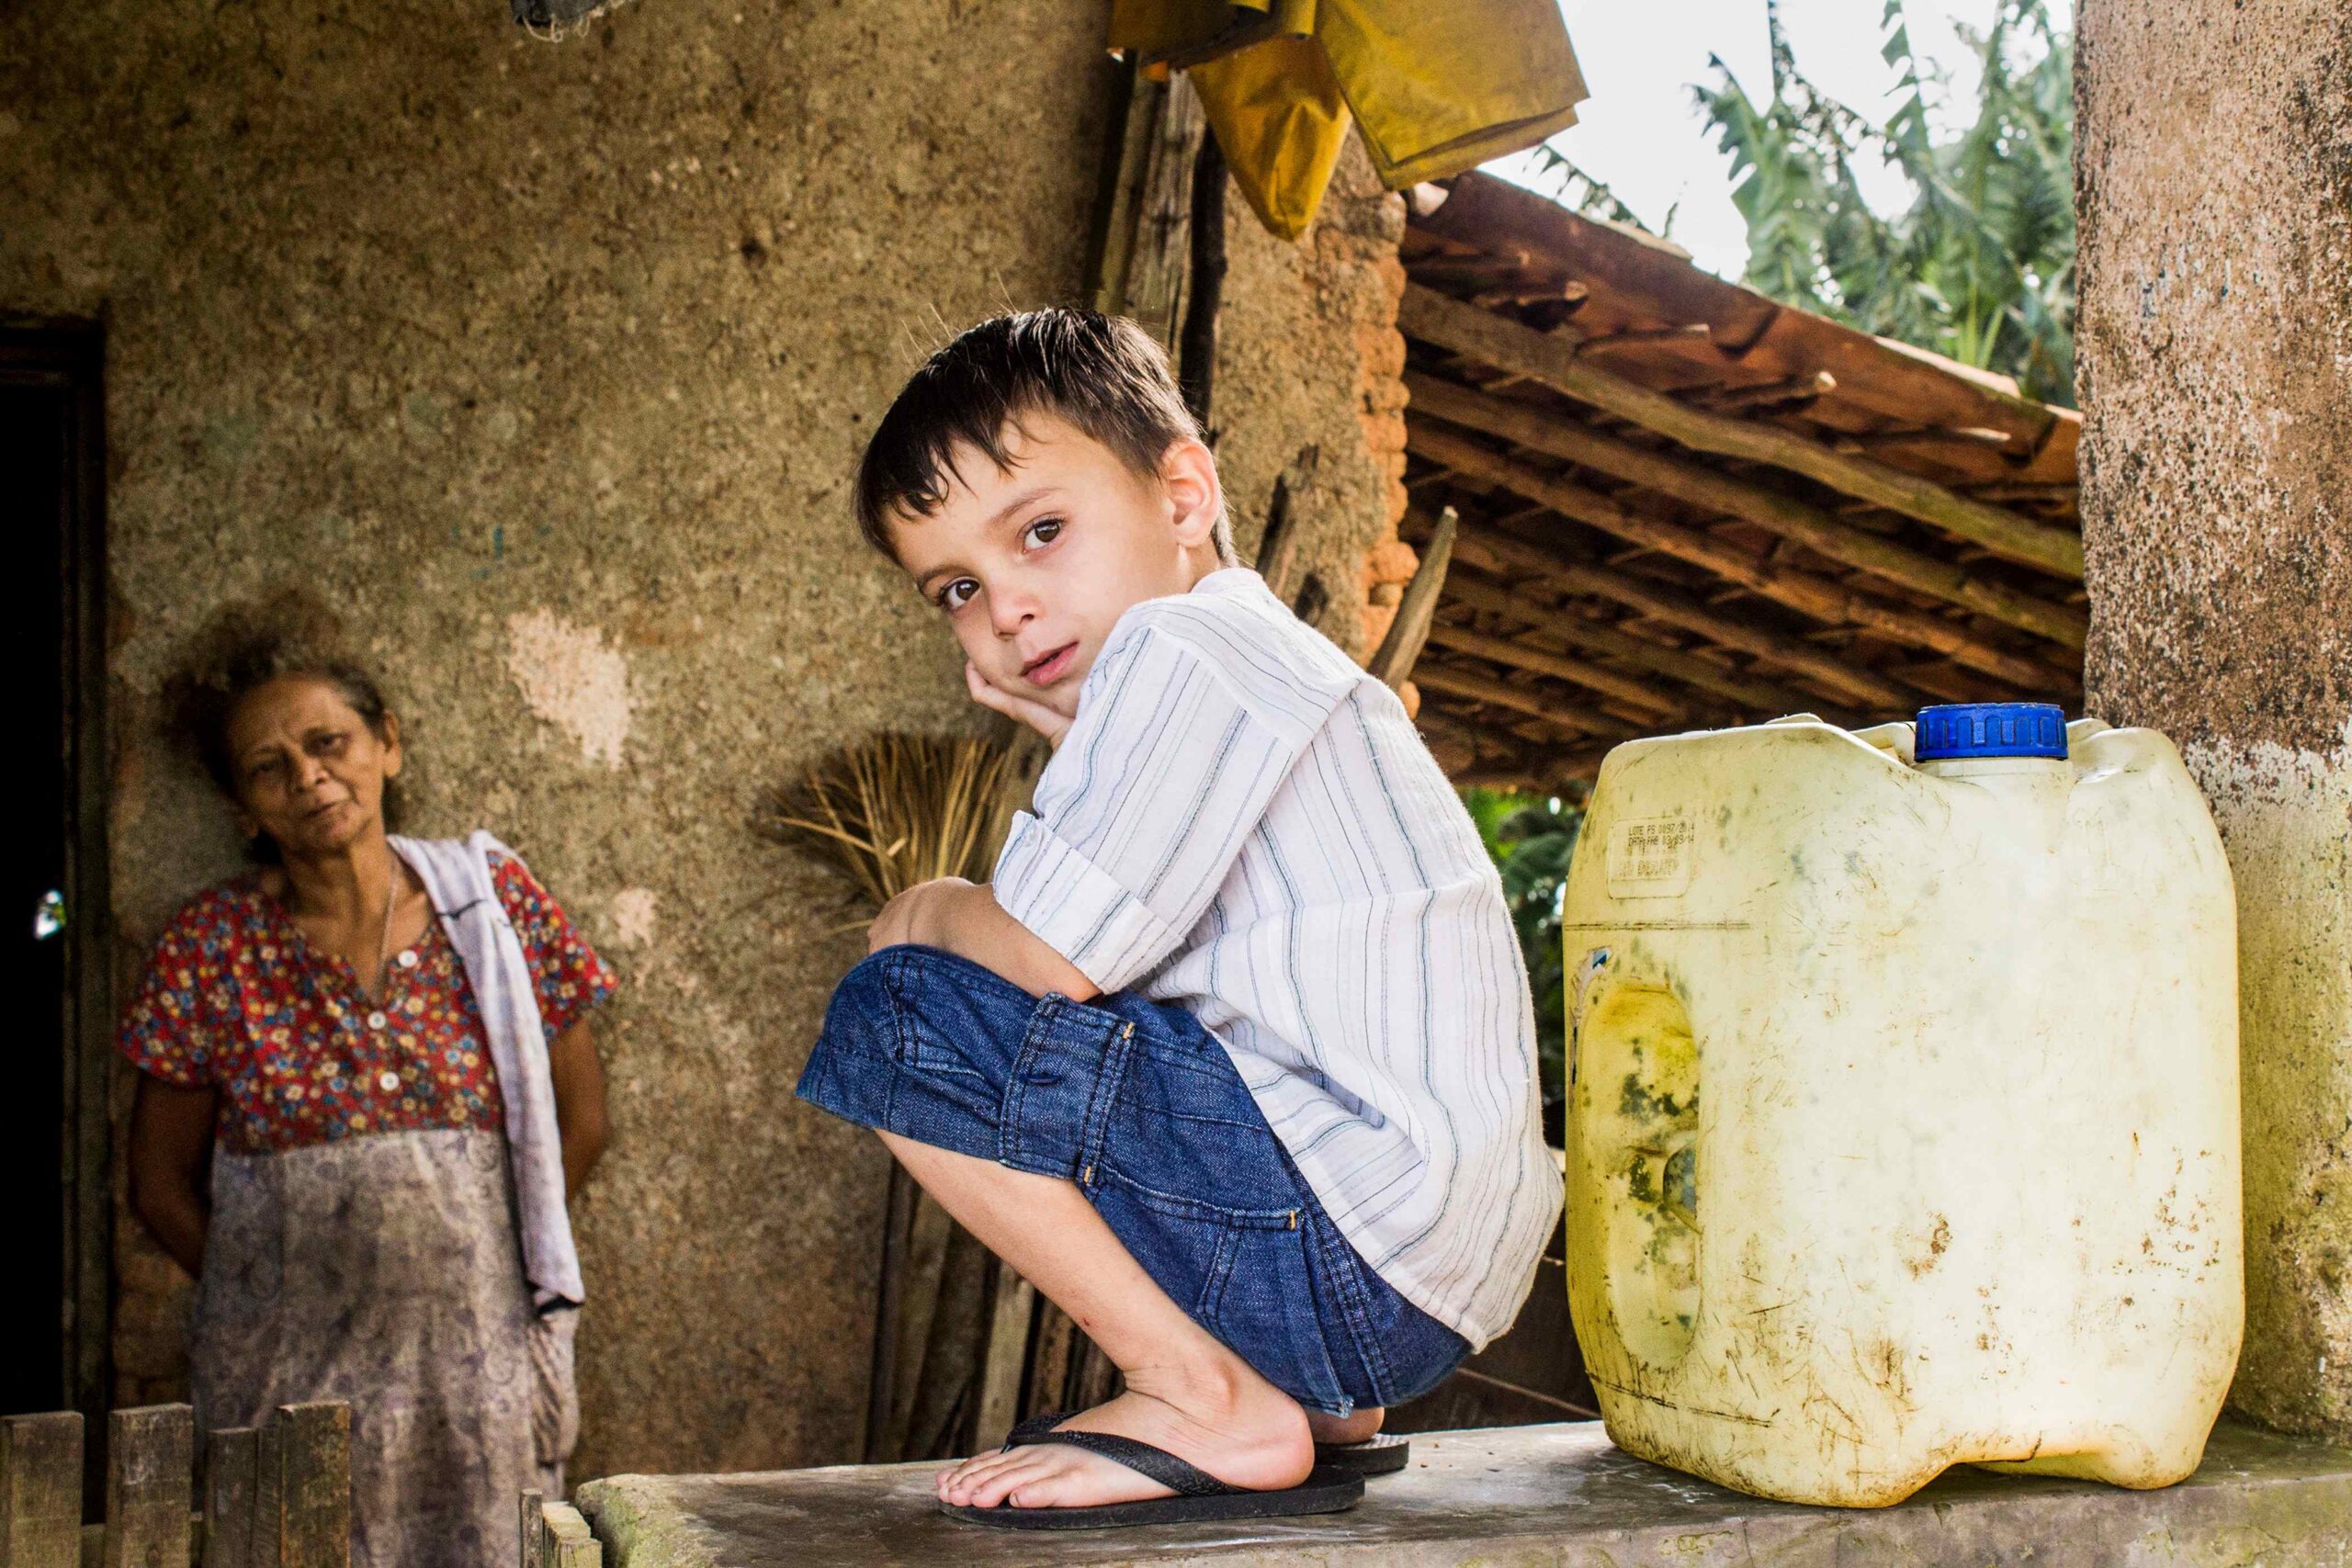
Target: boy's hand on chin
<point x="1025" y="710"/>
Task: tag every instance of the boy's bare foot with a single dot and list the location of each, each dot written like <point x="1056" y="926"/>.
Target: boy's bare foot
<point x="1227" y="1420"/>
<point x="1341" y="1430"/>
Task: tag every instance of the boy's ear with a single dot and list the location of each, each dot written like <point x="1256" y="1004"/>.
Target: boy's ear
<point x="1196" y="500"/>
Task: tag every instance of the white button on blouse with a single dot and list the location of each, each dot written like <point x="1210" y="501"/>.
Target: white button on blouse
<point x="376" y="1021"/>
<point x="389" y="1080"/>
<point x="408" y="958"/>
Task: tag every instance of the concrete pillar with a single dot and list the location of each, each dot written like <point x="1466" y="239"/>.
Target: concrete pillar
<point x="2214" y="173"/>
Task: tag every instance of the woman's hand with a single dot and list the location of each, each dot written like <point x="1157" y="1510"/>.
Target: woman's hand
<point x="1022" y="710"/>
<point x="171" y="1159"/>
<point x="579" y="1082"/>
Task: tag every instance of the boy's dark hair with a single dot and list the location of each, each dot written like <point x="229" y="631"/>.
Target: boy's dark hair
<point x="246" y="645"/>
<point x="1103" y="374"/>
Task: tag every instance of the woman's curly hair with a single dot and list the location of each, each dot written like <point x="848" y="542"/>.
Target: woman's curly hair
<point x="248" y="644"/>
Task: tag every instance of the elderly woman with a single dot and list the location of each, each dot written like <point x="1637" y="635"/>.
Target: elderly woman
<point x="366" y="1087"/>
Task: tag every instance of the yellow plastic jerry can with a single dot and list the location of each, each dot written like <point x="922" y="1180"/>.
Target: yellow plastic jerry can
<point x="1903" y="1113"/>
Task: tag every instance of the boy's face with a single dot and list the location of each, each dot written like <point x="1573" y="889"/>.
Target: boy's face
<point x="1033" y="565"/>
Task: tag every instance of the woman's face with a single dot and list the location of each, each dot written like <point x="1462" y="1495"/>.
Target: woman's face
<point x="309" y="772"/>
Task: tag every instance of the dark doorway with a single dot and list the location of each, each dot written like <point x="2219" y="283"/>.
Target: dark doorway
<point x="55" y="942"/>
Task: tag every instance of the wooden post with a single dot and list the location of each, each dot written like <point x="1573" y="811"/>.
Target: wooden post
<point x="1278" y="547"/>
<point x="1160" y="265"/>
<point x="1196" y="350"/>
<point x="535" y="1553"/>
<point x="231" y="1484"/>
<point x="1513" y="345"/>
<point x="151" y="1460"/>
<point x="314" y="1485"/>
<point x="41" y="1490"/>
<point x="1700" y="486"/>
<point x="1007" y="1352"/>
<point x="1406" y="634"/>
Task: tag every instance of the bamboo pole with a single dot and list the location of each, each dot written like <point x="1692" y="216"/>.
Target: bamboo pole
<point x="1842" y="681"/>
<point x="1748" y="691"/>
<point x="1825" y="600"/>
<point x="1791" y="519"/>
<point x="1392" y="663"/>
<point x="1559" y="666"/>
<point x="1513" y="346"/>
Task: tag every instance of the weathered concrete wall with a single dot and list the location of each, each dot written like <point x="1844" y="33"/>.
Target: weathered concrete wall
<point x="1309" y="392"/>
<point x="2215" y="173"/>
<point x="549" y="365"/>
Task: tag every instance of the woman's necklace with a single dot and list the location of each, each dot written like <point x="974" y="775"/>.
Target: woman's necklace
<point x="384" y="945"/>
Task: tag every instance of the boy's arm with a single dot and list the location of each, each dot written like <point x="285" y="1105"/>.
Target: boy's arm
<point x="965" y="919"/>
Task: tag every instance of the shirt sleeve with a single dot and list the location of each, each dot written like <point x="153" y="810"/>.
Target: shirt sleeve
<point x="567" y="975"/>
<point x="171" y="1030"/>
<point x="1167" y="770"/>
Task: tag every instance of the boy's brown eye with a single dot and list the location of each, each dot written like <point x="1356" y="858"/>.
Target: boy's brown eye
<point x="1044" y="529"/>
<point x="957" y="593"/>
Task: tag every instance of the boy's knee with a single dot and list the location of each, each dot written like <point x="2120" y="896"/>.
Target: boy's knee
<point x="862" y="1002"/>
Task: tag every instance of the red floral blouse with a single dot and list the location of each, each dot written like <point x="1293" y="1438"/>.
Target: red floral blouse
<point x="236" y="998"/>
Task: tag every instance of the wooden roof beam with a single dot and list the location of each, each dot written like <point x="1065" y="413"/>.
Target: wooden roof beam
<point x="1822" y="598"/>
<point x="1699" y="485"/>
<point x="1454" y="681"/>
<point x="1644" y="699"/>
<point x="1520" y="349"/>
<point x="1842" y="682"/>
<point x="1749" y="692"/>
<point x="1500" y="757"/>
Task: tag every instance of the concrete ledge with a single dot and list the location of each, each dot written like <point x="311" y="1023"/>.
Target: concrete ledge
<point x="1559" y="1495"/>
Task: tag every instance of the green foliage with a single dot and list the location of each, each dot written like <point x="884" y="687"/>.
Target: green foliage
<point x="1980" y="268"/>
<point x="1530" y="838"/>
<point x="1593" y="198"/>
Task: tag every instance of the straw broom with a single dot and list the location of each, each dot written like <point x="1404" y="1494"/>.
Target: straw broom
<point x="895" y="810"/>
<point x="892" y="811"/>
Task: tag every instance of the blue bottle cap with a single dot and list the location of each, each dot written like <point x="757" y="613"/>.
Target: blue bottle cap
<point x="1989" y="730"/>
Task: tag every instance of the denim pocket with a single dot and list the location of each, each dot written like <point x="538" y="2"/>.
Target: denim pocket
<point x="1260" y="1299"/>
<point x="1062" y="1080"/>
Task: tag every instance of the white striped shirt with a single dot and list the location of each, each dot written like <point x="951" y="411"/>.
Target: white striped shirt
<point x="1243" y="822"/>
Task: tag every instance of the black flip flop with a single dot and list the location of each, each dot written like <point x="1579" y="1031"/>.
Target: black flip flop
<point x="1199" y="1495"/>
<point x="1382" y="1453"/>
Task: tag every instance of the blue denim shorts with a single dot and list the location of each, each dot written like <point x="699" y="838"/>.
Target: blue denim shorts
<point x="1141" y="1107"/>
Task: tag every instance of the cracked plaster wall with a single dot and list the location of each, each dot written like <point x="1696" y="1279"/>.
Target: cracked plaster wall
<point x="548" y="367"/>
<point x="2215" y="175"/>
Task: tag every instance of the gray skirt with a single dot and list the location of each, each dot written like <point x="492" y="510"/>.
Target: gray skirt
<point x="384" y="1270"/>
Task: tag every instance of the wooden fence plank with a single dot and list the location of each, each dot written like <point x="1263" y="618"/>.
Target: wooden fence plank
<point x="231" y="1457"/>
<point x="534" y="1535"/>
<point x="151" y="1457"/>
<point x="314" y="1485"/>
<point x="269" y="1497"/>
<point x="566" y="1540"/>
<point x="1008" y="1350"/>
<point x="41" y="1490"/>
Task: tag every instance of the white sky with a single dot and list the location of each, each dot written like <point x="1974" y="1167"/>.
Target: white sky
<point x="1641" y="133"/>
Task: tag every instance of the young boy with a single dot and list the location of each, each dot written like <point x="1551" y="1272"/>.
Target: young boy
<point x="1234" y="1058"/>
